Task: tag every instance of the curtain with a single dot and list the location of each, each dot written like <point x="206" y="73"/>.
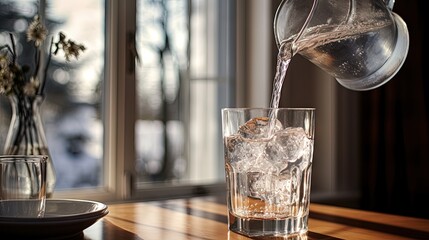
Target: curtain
<point x="395" y="130"/>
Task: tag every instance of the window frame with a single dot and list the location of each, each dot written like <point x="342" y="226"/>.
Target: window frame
<point x="119" y="115"/>
<point x="113" y="185"/>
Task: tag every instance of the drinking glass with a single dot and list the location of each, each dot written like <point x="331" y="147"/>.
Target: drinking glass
<point x="22" y="185"/>
<point x="268" y="160"/>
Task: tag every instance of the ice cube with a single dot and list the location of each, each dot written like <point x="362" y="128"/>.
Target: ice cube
<point x="242" y="153"/>
<point x="287" y="145"/>
<point x="259" y="179"/>
<point x="285" y="187"/>
<point x="258" y="185"/>
<point x="259" y="127"/>
<point x="281" y="189"/>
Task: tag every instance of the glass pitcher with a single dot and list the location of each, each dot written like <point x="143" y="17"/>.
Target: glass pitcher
<point x="361" y="43"/>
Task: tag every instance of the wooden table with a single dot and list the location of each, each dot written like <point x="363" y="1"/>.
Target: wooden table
<point x="206" y="218"/>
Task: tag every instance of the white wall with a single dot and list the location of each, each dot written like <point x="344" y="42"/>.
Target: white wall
<point x="254" y="38"/>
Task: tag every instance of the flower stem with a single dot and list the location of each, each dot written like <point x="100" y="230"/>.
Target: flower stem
<point x="13" y="48"/>
<point x="41" y="90"/>
<point x="37" y="61"/>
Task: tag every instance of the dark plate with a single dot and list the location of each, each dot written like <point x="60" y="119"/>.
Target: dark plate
<point x="64" y="219"/>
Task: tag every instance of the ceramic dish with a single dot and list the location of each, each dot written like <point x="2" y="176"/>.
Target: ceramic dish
<point x="64" y="219"/>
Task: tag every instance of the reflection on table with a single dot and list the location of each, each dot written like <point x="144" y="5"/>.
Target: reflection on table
<point x="206" y="218"/>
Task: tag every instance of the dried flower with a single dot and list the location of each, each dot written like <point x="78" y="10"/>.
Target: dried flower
<point x="30" y="88"/>
<point x="18" y="79"/>
<point x="6" y="76"/>
<point x="69" y="47"/>
<point x="36" y="32"/>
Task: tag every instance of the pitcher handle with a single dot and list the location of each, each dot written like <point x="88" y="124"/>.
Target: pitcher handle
<point x="389" y="3"/>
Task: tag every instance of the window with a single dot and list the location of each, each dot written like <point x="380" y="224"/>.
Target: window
<point x="178" y="82"/>
<point x="72" y="109"/>
<point x="142" y="103"/>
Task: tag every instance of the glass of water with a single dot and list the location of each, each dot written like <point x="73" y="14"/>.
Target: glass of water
<point x="22" y="186"/>
<point x="268" y="159"/>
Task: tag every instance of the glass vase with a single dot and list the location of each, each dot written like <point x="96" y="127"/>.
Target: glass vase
<point x="26" y="135"/>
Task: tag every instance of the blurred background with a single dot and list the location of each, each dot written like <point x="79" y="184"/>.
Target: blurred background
<point x="138" y="116"/>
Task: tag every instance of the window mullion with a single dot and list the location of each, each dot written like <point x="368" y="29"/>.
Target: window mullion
<point x="125" y="81"/>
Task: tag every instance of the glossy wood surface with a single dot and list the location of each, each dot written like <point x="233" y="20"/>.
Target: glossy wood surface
<point x="206" y="218"/>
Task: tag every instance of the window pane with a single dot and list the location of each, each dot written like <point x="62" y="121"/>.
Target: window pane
<point x="71" y="111"/>
<point x="162" y="39"/>
<point x="75" y="127"/>
<point x="177" y="92"/>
